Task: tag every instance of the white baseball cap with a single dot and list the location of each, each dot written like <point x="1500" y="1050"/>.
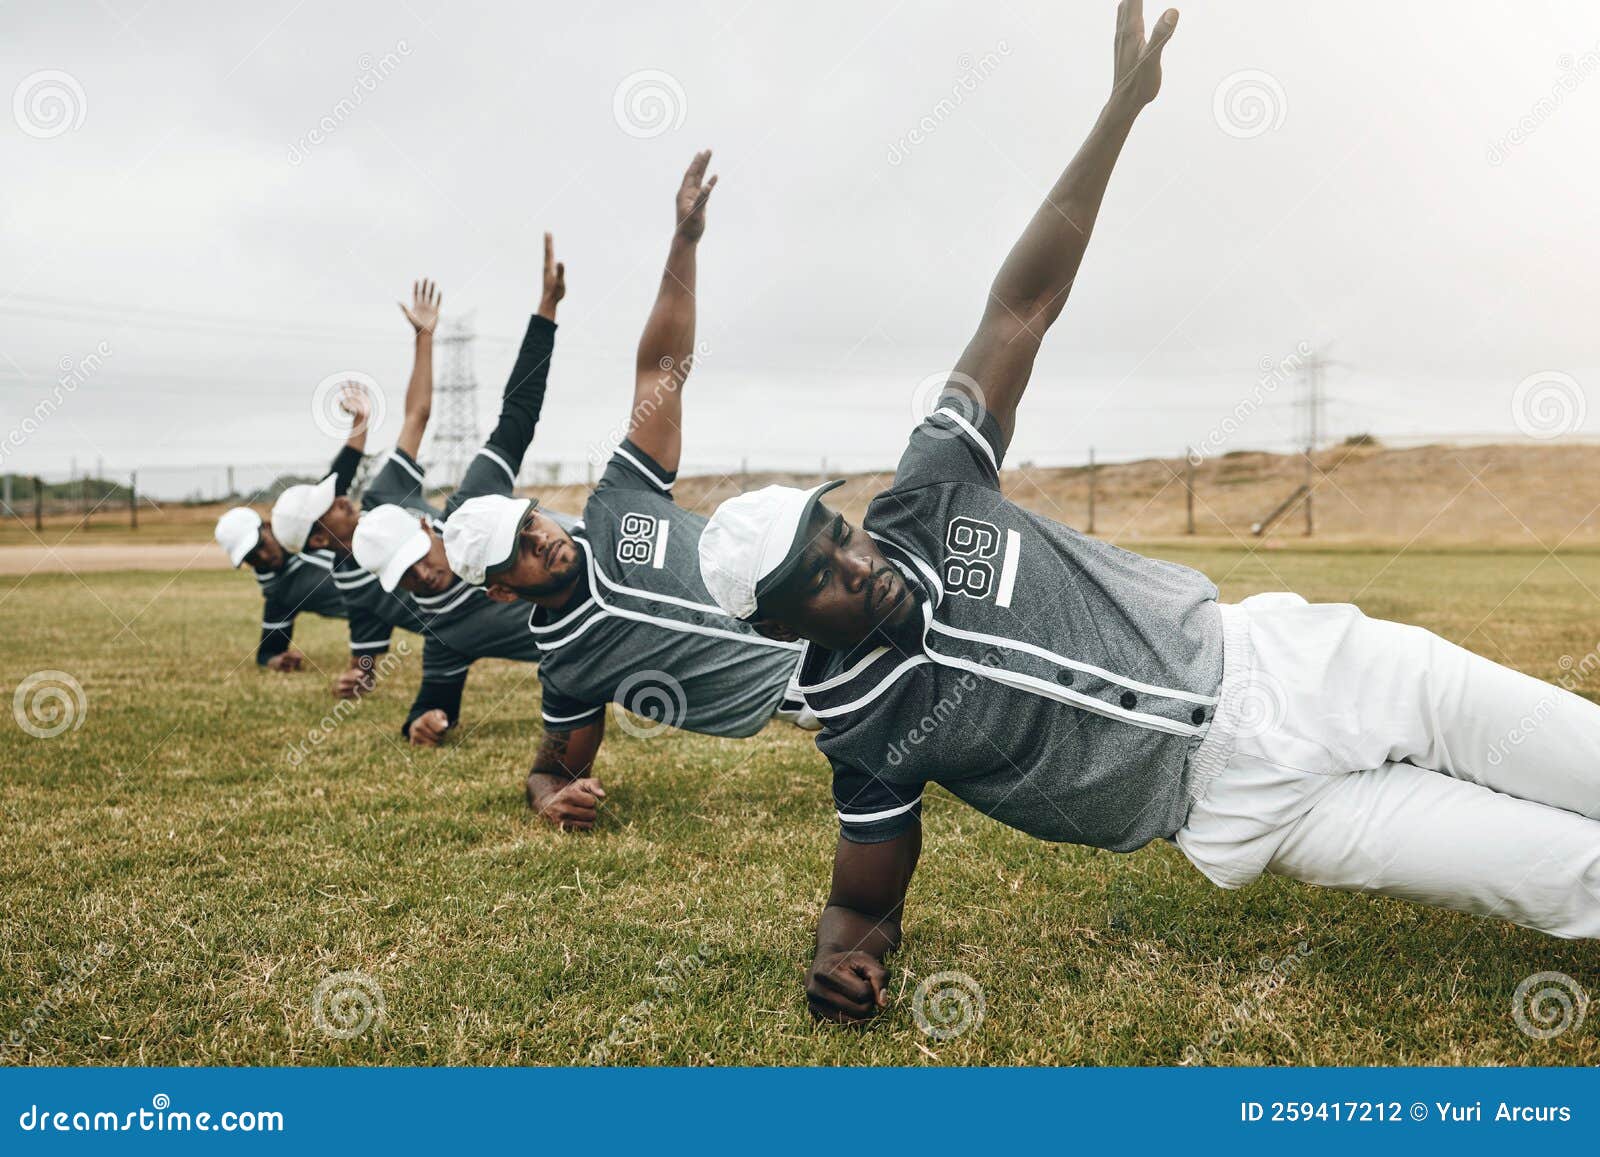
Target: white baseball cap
<point x="753" y="542"/>
<point x="238" y="532"/>
<point x="297" y="510"/>
<point x="387" y="541"/>
<point x="481" y="536"/>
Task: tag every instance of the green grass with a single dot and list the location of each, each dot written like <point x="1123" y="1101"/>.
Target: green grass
<point x="225" y="883"/>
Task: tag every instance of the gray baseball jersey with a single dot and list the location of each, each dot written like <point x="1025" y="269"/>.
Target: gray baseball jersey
<point x="375" y="613"/>
<point x="303" y="583"/>
<point x="642" y="630"/>
<point x="1052" y="681"/>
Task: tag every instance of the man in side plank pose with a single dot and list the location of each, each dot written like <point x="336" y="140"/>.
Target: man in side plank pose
<point x="321" y="518"/>
<point x="402" y="551"/>
<point x="294" y="583"/>
<point x="1084" y="694"/>
<point x="619" y="612"/>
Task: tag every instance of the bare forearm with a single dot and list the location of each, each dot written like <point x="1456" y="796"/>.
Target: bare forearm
<point x="844" y="929"/>
<point x="669" y="332"/>
<point x="1043" y="264"/>
<point x="419" y="396"/>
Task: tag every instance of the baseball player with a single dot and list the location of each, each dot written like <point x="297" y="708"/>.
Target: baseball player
<point x="620" y="614"/>
<point x="292" y="583"/>
<point x="1087" y="695"/>
<point x="402" y="551"/>
<point x="321" y="518"/>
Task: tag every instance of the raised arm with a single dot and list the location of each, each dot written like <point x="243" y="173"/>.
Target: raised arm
<point x="666" y="348"/>
<point x="423" y="314"/>
<point x="357" y="406"/>
<point x="1032" y="286"/>
<point x="848" y="981"/>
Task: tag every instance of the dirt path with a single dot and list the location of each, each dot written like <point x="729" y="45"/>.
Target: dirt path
<point x="166" y="556"/>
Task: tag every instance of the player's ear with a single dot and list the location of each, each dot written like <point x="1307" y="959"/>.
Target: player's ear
<point x="500" y="594"/>
<point x="774" y="630"/>
<point x="319" y="539"/>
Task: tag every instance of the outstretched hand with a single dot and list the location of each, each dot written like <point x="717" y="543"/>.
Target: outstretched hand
<point x="423" y="312"/>
<point x="555" y="280"/>
<point x="1137" y="71"/>
<point x="693" y="194"/>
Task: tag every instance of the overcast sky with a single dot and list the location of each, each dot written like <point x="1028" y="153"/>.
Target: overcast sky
<point x="227" y="199"/>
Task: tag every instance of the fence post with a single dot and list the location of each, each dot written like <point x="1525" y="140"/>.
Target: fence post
<point x="1092" y="480"/>
<point x="133" y="500"/>
<point x="231" y="490"/>
<point x="38" y="503"/>
<point x="83" y="498"/>
<point x="1188" y="486"/>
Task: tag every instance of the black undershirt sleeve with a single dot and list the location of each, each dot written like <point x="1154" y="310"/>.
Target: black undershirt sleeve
<point x="345" y="464"/>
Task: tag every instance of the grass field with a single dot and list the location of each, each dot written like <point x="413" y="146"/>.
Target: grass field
<point x="176" y="888"/>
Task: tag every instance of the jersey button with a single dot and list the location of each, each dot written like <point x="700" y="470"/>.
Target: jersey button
<point x="653" y="607"/>
<point x="1129" y="699"/>
<point x="1064" y="677"/>
<point x="1199" y="715"/>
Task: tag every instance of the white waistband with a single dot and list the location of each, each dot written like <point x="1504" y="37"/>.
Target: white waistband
<point x="1238" y="663"/>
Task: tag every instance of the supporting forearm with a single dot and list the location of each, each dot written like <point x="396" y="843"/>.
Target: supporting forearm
<point x="844" y="929"/>
<point x="1043" y="264"/>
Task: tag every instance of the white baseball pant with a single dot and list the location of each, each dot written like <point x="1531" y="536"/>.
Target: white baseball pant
<point x="1371" y="756"/>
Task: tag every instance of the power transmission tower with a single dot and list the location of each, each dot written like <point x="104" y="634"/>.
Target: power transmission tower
<point x="455" y="405"/>
<point x="1312" y="401"/>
